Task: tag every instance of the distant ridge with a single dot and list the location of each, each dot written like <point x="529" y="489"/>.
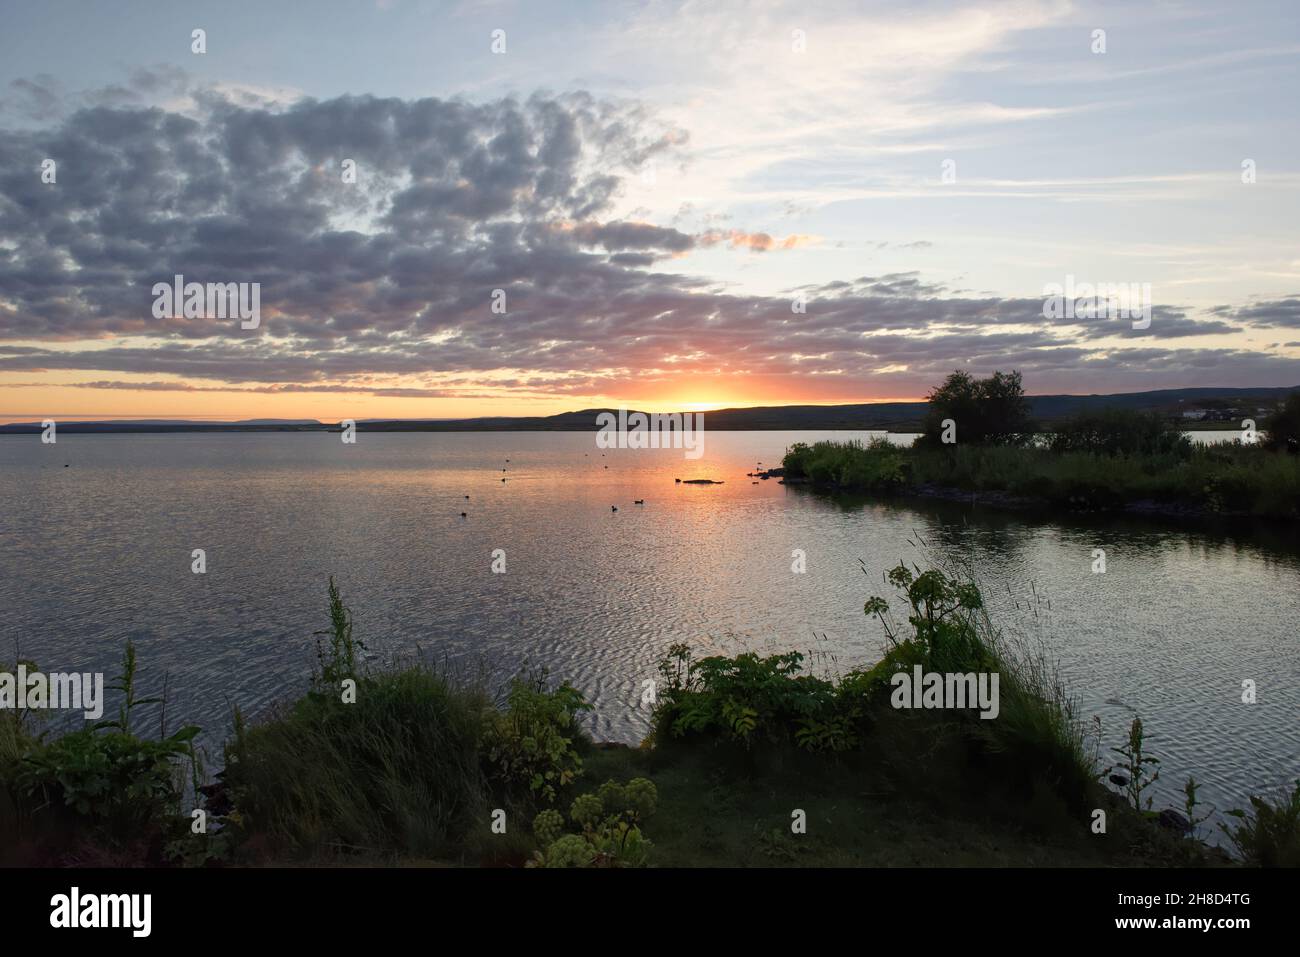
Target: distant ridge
<point x="895" y="416"/>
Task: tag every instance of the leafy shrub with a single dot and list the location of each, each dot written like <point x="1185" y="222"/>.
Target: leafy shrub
<point x="877" y="466"/>
<point x="548" y="826"/>
<point x="529" y="749"/>
<point x="742" y="699"/>
<point x="101" y="785"/>
<point x="796" y="460"/>
<point x="116" y="783"/>
<point x="610" y="820"/>
<point x="750" y="698"/>
<point x="942" y="615"/>
<point x="571" y="850"/>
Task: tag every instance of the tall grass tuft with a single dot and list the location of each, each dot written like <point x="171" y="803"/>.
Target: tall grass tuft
<point x="398" y="770"/>
<point x="404" y="760"/>
<point x="1269" y="834"/>
<point x="1038" y="738"/>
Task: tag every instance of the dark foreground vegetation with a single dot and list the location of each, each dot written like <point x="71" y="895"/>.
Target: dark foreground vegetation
<point x="751" y="761"/>
<point x="979" y="441"/>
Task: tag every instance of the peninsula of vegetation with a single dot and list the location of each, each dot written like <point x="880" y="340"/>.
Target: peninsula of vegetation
<point x="979" y="443"/>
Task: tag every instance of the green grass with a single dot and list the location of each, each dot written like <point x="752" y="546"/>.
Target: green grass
<point x="1232" y="479"/>
<point x="398" y="770"/>
<point x="15" y="741"/>
<point x="722" y="808"/>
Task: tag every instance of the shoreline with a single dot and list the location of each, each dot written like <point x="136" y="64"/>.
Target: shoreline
<point x="1176" y="480"/>
<point x="1010" y="501"/>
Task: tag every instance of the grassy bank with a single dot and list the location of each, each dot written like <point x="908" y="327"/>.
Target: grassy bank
<point x="1220" y="479"/>
<point x="751" y="761"/>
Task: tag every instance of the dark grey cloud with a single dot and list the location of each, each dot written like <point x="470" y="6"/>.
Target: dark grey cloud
<point x="619" y="236"/>
<point x="394" y="275"/>
<point x="1166" y="323"/>
<point x="1274" y="313"/>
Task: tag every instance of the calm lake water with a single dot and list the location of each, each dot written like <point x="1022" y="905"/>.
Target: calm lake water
<point x="100" y="551"/>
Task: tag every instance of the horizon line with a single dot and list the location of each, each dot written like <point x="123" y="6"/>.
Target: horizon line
<point x="215" y="418"/>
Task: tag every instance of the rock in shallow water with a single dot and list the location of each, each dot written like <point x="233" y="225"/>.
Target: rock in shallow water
<point x="1174" y="821"/>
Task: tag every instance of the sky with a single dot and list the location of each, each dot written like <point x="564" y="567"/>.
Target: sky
<point x="498" y="208"/>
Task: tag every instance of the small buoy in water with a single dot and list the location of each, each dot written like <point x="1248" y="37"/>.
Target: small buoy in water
<point x="503" y="470"/>
<point x="65" y="465"/>
<point x="503" y="480"/>
<point x="464" y="515"/>
<point x="467" y="498"/>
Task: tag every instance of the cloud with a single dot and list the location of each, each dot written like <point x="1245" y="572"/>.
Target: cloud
<point x="1267" y="314"/>
<point x="621" y="236"/>
<point x="754" y="242"/>
<point x="34" y="99"/>
<point x="386" y="285"/>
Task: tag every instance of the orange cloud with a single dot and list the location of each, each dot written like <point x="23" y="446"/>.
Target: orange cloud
<point x="754" y="242"/>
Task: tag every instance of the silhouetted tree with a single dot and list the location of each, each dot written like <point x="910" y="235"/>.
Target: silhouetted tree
<point x="992" y="411"/>
<point x="1112" y="431"/>
<point x="1283" y="427"/>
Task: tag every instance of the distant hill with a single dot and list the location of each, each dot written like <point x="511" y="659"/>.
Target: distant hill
<point x="892" y="416"/>
<point x="170" y="425"/>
